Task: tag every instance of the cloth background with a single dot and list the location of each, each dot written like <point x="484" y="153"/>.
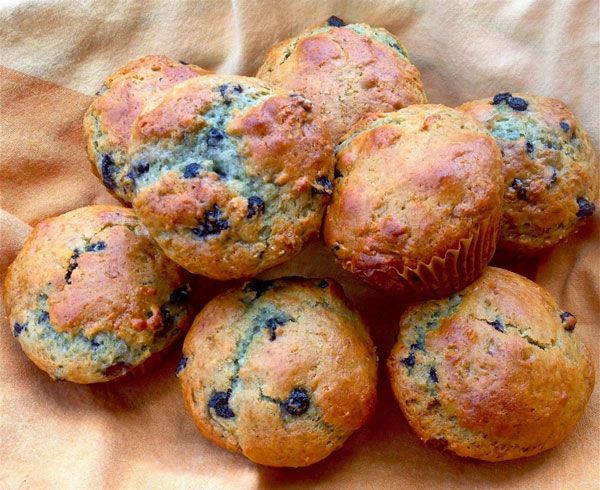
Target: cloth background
<point x="135" y="433"/>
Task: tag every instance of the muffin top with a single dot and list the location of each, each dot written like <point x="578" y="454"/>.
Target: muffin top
<point x="550" y="168"/>
<point x="232" y="174"/>
<point x="494" y="372"/>
<point x="346" y="71"/>
<point x="90" y="295"/>
<point x="121" y="99"/>
<point x="281" y="371"/>
<point x="410" y="185"/>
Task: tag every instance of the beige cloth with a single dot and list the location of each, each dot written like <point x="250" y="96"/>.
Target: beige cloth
<point x="135" y="433"/>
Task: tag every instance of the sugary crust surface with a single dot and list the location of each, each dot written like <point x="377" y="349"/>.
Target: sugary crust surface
<point x="410" y="186"/>
<point x="90" y="287"/>
<point x="107" y="123"/>
<point x="346" y="72"/>
<point x="494" y="372"/>
<point x="263" y="166"/>
<point x="318" y="344"/>
<point x="545" y="148"/>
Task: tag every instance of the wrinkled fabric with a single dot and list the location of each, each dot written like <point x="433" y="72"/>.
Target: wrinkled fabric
<point x="135" y="432"/>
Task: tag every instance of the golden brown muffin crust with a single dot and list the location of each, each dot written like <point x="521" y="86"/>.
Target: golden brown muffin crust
<point x="132" y="87"/>
<point x="318" y="345"/>
<point x="346" y="74"/>
<point x="271" y="146"/>
<point x="412" y="184"/>
<point x="549" y="164"/>
<point x="511" y="379"/>
<point x="123" y="96"/>
<point x="94" y="270"/>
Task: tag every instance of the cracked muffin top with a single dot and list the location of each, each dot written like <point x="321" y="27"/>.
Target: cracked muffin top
<point x="231" y="174"/>
<point x="346" y="70"/>
<point x="122" y="97"/>
<point x="90" y="296"/>
<point x="549" y="165"/>
<point x="281" y="371"/>
<point x="494" y="372"/>
<point x="412" y="187"/>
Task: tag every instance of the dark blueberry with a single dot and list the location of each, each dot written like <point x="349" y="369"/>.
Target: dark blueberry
<point x="95" y="247"/>
<point x="214" y="137"/>
<point x="108" y="169"/>
<point x="418" y="345"/>
<point x="337" y="174"/>
<point x="226" y="91"/>
<point x="323" y="186"/>
<point x="501" y="97"/>
<point x="433" y="374"/>
<point x="219" y="402"/>
<point x="529" y="147"/>
<point x="141" y="168"/>
<point x="180" y="295"/>
<point x="255" y="206"/>
<point x="568" y="319"/>
<point x="334" y="21"/>
<point x="118" y="369"/>
<point x="497" y="324"/>
<point x="410" y="360"/>
<point x="553" y="145"/>
<point x="517" y="103"/>
<point x="258" y="287"/>
<point x="554" y="176"/>
<point x="273" y="323"/>
<point x="298" y="402"/>
<point x="95" y="344"/>
<point x="181" y="366"/>
<point x="167" y="318"/>
<point x="191" y="170"/>
<point x="183" y="62"/>
<point x="521" y="188"/>
<point x="18" y="328"/>
<point x="43" y="316"/>
<point x="72" y="266"/>
<point x="323" y="284"/>
<point x="212" y="224"/>
<point x="565" y="126"/>
<point x="586" y="208"/>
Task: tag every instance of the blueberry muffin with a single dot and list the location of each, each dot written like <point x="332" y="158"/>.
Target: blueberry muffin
<point x="280" y="371"/>
<point x="232" y="174"/>
<point x="107" y="123"/>
<point x="417" y="200"/>
<point x="90" y="296"/>
<point x="494" y="372"/>
<point x="550" y="169"/>
<point x="346" y="70"/>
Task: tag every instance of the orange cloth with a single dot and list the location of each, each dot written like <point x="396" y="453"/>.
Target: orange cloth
<point x="135" y="432"/>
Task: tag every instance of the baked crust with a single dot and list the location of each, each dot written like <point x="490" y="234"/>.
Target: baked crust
<point x="265" y="341"/>
<point x="263" y="165"/>
<point x="123" y="96"/>
<point x="494" y="372"/>
<point x="90" y="290"/>
<point x="346" y="72"/>
<point x="412" y="186"/>
<point x="549" y="166"/>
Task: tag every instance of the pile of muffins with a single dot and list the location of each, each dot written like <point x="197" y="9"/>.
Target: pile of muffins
<point x="227" y="176"/>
